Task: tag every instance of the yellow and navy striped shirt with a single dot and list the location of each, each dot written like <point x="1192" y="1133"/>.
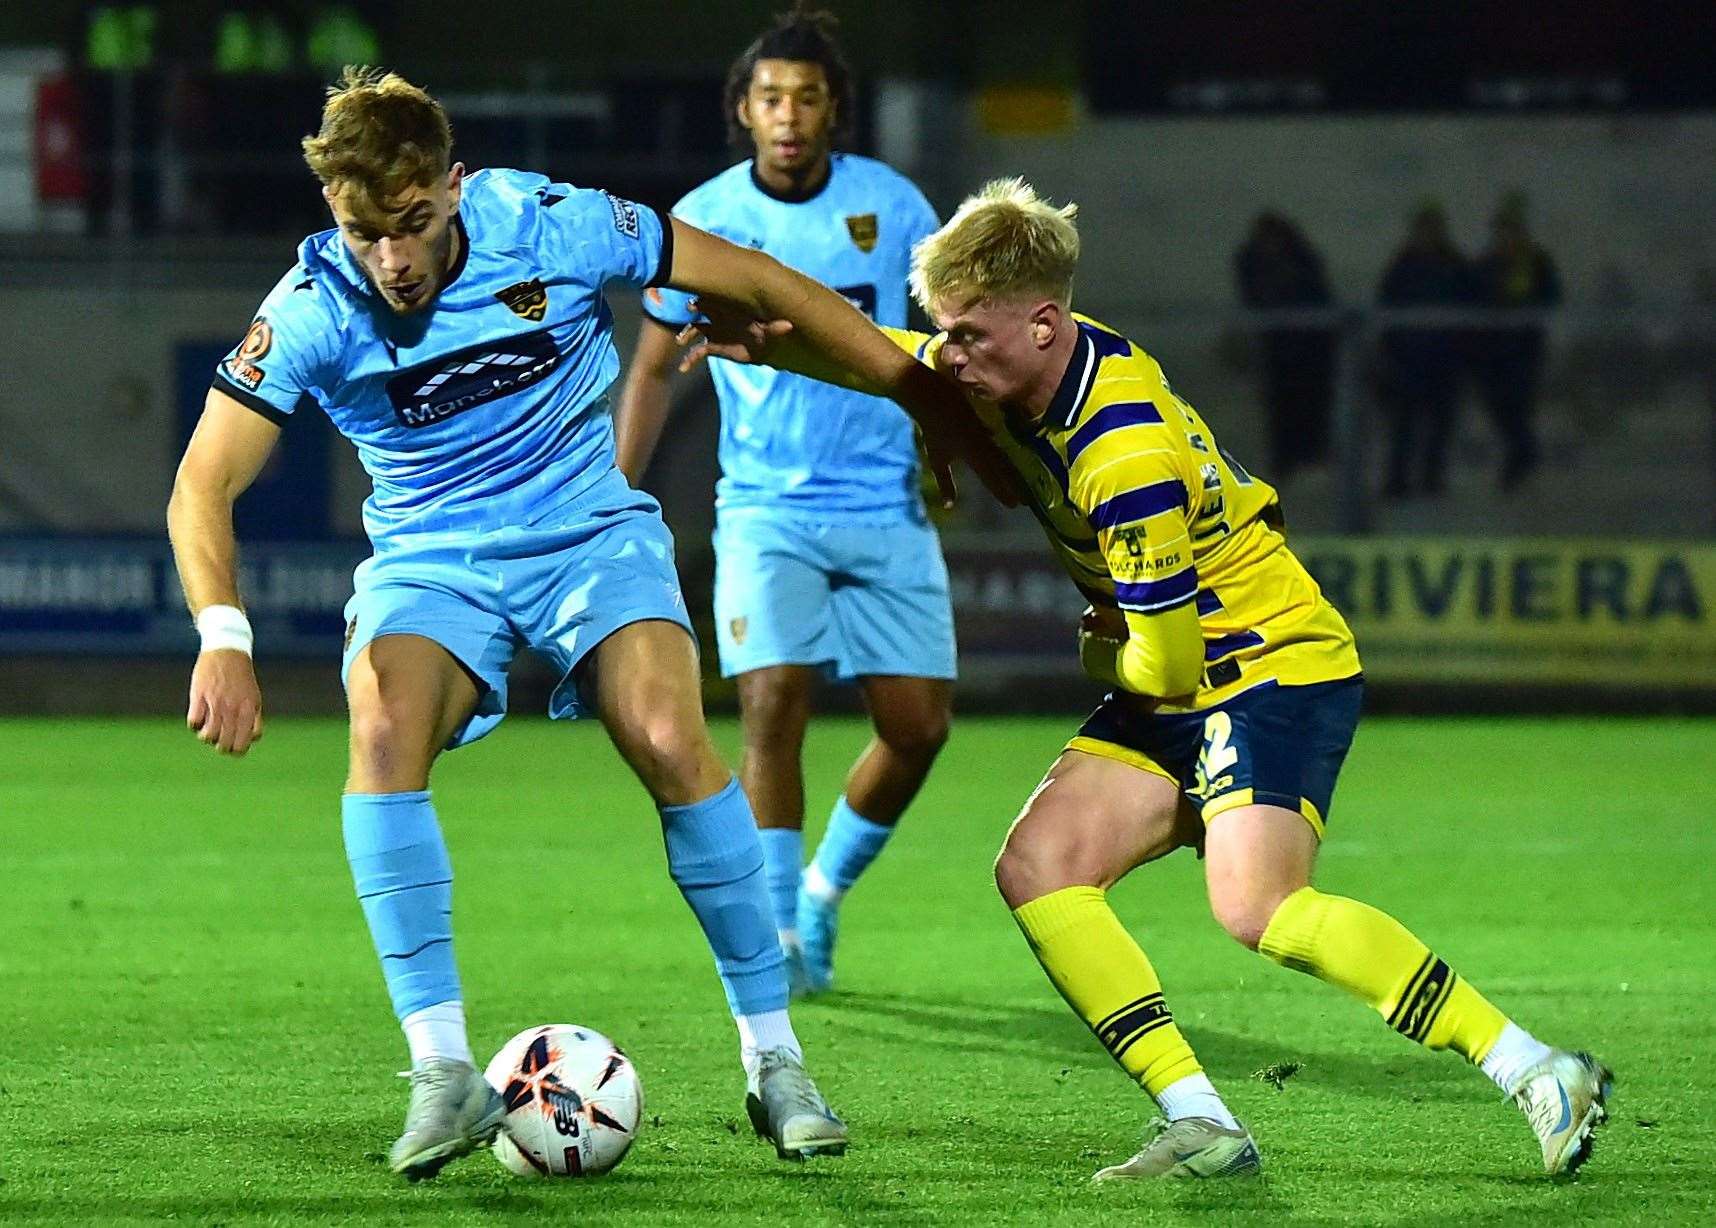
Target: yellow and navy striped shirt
<point x="1146" y="512"/>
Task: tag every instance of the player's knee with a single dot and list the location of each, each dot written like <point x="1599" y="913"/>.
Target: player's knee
<point x="917" y="734"/>
<point x="1014" y="876"/>
<point x="1031" y="865"/>
<point x="673" y="758"/>
<point x="389" y="750"/>
<point x="1245" y="912"/>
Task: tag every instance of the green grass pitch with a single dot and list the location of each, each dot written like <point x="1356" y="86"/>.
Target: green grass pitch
<point x="192" y="1026"/>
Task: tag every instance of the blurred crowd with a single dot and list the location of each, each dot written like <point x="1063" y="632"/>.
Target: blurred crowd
<point x="1422" y="367"/>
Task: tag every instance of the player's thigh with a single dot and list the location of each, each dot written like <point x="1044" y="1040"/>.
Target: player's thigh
<point x="407" y="696"/>
<point x="424" y="646"/>
<point x="771" y="593"/>
<point x="1093" y="819"/>
<point x="775" y="703"/>
<point x="893" y="614"/>
<point x="649" y="694"/>
<point x="1254" y="857"/>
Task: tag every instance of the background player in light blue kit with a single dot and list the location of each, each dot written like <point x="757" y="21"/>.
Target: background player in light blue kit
<point x="825" y="560"/>
<point x="453" y="328"/>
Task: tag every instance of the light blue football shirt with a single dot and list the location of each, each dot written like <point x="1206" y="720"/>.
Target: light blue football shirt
<point x="788" y="442"/>
<point x="485" y="408"/>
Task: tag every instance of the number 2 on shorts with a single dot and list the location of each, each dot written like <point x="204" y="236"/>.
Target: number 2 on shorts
<point x="1216" y="757"/>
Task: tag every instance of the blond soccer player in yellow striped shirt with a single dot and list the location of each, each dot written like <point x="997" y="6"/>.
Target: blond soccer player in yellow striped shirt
<point x="1236" y="692"/>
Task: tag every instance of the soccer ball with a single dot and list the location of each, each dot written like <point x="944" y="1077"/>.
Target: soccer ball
<point x="572" y="1098"/>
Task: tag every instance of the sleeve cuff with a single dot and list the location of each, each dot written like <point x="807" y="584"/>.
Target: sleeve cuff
<point x="251" y="401"/>
<point x="664" y="265"/>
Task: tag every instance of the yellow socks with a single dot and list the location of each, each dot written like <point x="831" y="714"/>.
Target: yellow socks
<point x="1377" y="960"/>
<point x="1105" y="977"/>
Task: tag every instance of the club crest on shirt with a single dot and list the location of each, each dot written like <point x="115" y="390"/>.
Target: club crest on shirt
<point x="528" y="299"/>
<point x="862" y="228"/>
<point x="257" y="341"/>
<point x="738" y="627"/>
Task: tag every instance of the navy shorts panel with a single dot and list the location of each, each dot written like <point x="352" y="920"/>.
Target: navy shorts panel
<point x="1272" y="745"/>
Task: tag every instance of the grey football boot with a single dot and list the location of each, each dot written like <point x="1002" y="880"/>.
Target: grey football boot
<point x="453" y="1112"/>
<point x="786" y="1109"/>
<point x="1190" y="1147"/>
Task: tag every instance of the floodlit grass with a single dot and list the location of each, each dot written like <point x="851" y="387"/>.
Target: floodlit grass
<point x="192" y="1025"/>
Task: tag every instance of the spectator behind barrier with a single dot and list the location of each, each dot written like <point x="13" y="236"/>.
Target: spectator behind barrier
<point x="1515" y="273"/>
<point x="1278" y="268"/>
<point x="1421" y="368"/>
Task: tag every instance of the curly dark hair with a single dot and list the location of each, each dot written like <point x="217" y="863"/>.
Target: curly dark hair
<point x="802" y="34"/>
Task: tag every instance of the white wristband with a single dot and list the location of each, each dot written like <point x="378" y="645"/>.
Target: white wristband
<point x="224" y="626"/>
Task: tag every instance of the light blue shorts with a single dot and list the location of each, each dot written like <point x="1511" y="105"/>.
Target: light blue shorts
<point x="558" y="587"/>
<point x="857" y="600"/>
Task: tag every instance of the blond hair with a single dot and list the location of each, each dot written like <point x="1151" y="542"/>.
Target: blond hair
<point x="1003" y="242"/>
<point x="381" y="135"/>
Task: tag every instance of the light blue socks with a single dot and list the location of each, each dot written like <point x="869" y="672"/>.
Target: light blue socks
<point x="783" y="862"/>
<point x="715" y="857"/>
<point x="405" y="885"/>
<point x="848" y="847"/>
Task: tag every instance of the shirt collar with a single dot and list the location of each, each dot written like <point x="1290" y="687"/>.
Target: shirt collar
<point x="1074" y="387"/>
<point x="809" y="192"/>
<point x="464" y="255"/>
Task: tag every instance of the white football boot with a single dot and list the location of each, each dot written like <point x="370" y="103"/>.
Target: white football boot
<point x="1564" y="1098"/>
<point x="797" y="984"/>
<point x="453" y="1112"/>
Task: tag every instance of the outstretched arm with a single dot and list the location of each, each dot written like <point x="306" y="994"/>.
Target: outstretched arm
<point x="766" y="289"/>
<point x="838" y="341"/>
<point x="225" y="454"/>
<point x="728" y="331"/>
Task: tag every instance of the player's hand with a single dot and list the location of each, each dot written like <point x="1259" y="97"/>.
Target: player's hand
<point x="951" y="428"/>
<point x="1102" y="633"/>
<point x="957" y="432"/>
<point x="727" y="331"/>
<point x="1105" y="622"/>
<point x="226" y="704"/>
<point x="938" y="464"/>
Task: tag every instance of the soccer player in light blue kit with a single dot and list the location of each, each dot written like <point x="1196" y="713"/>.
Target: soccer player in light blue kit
<point x="825" y="561"/>
<point x="453" y="328"/>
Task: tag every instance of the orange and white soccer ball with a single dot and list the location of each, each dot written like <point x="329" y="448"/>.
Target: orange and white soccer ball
<point x="573" y="1102"/>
